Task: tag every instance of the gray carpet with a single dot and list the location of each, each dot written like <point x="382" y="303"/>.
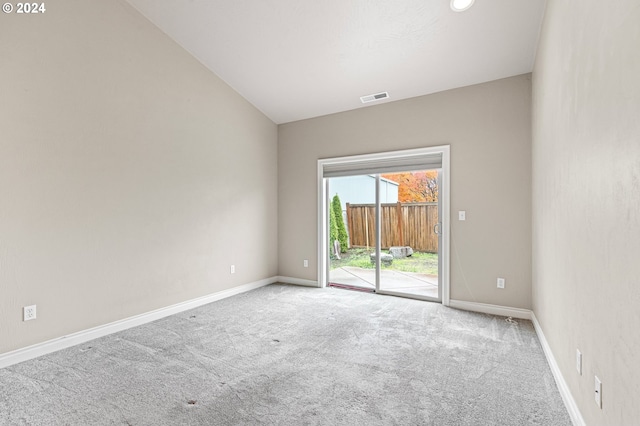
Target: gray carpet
<point x="291" y="355"/>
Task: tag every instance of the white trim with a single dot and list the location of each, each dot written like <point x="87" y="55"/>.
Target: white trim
<point x="323" y="265"/>
<point x="297" y="281"/>
<point x="486" y="308"/>
<point x="377" y="233"/>
<point x="39" y="349"/>
<point x="565" y="393"/>
<point x="445" y="203"/>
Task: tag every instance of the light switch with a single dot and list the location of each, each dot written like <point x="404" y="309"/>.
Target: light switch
<point x="462" y="215"/>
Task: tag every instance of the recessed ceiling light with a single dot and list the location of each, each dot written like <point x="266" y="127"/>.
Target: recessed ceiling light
<point x="461" y="5"/>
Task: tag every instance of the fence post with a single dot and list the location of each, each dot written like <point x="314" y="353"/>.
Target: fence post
<point x="399" y="215"/>
<point x="366" y="225"/>
<point x="349" y="224"/>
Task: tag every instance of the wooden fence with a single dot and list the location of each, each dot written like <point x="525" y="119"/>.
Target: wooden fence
<point x="403" y="224"/>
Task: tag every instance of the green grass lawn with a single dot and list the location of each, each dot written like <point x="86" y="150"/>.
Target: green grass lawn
<point x="422" y="263"/>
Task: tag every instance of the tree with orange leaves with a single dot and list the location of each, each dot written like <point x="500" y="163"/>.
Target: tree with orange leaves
<point x="416" y="187"/>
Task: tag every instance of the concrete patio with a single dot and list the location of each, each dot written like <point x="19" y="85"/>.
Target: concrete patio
<point x="390" y="280"/>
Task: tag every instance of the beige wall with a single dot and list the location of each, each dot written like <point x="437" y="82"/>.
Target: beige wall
<point x="489" y="129"/>
<point x="130" y="176"/>
<point x="586" y="200"/>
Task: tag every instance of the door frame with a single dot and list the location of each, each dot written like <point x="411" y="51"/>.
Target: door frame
<point x="443" y="194"/>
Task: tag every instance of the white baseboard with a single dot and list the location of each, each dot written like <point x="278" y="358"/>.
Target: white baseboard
<point x="79" y="337"/>
<point x="486" y="308"/>
<point x="569" y="402"/>
<point x="297" y="281"/>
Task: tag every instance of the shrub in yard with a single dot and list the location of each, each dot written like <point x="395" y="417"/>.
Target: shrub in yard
<point x="336" y="206"/>
<point x="333" y="230"/>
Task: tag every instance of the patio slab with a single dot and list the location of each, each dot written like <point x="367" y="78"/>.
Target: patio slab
<point x="390" y="280"/>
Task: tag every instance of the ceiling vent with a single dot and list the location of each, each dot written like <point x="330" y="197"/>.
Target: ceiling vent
<point x="376" y="97"/>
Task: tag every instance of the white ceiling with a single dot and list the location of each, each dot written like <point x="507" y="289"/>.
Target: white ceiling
<point x="296" y="59"/>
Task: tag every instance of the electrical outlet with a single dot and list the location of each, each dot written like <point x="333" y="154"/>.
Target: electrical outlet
<point x="462" y="215"/>
<point x="29" y="313"/>
<point x="305" y="263"/>
<point x="598" y="392"/>
<point x="579" y="361"/>
<point x="500" y="282"/>
<point x="233" y="269"/>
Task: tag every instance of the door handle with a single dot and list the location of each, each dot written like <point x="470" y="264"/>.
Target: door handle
<point x="436" y="228"/>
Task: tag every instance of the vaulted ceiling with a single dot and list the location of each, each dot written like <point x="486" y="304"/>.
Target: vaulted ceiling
<point x="297" y="59"/>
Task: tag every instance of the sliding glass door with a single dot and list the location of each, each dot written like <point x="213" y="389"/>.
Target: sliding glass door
<point x="384" y="224"/>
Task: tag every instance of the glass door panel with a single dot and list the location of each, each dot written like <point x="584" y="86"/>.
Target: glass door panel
<point x="410" y="235"/>
<point x="352" y="228"/>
